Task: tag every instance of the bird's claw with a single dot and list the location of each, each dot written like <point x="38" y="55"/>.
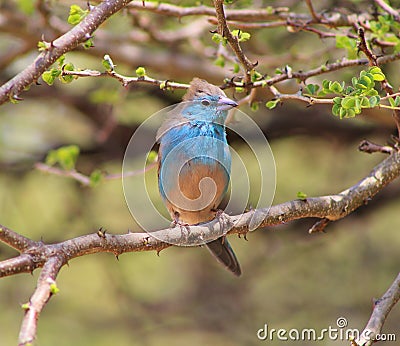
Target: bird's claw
<point x="185" y="229"/>
<point x="223" y="220"/>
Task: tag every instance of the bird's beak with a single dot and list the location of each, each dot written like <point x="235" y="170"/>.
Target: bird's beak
<point x="225" y="103"/>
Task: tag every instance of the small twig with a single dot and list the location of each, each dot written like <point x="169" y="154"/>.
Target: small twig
<point x="84" y="179"/>
<point x="183" y="11"/>
<point x="125" y="81"/>
<point x="373" y="61"/>
<point x="67" y="42"/>
<point x="382" y="307"/>
<point x="319" y="226"/>
<point x="363" y="46"/>
<point x="370" y="147"/>
<point x="15" y="240"/>
<point x="314" y="14"/>
<point x="233" y="41"/>
<point x="385" y="6"/>
<point x="46" y="287"/>
<point x="308" y="99"/>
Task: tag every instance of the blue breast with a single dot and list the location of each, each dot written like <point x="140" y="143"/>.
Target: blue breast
<point x="201" y="143"/>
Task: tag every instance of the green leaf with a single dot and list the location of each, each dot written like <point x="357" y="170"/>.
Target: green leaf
<point x="76" y="14"/>
<point x="67" y="78"/>
<point x="220" y="61"/>
<point x="108" y="63"/>
<point x="255" y="76"/>
<point x="236" y="68"/>
<point x="53" y="288"/>
<point x="272" y="104"/>
<point x="26" y="6"/>
<point x="141" y="71"/>
<point x="337" y="100"/>
<point x="365" y="102"/>
<point x="312" y="89"/>
<point x="254" y="106"/>
<point x="61" y="60"/>
<point x="152" y="156"/>
<point x="241" y="35"/>
<point x="66" y="157"/>
<point x="217" y="38"/>
<point x="95" y="178"/>
<point x="43" y="46"/>
<point x="392" y="102"/>
<point x="371" y="92"/>
<point x="379" y="77"/>
<point x="301" y="195"/>
<point x="350" y="113"/>
<point x="325" y="84"/>
<point x="26" y="306"/>
<point x="349" y="44"/>
<point x="373" y="101"/>
<point x="88" y="44"/>
<point x="348" y="102"/>
<point x="50" y="76"/>
<point x="336" y="87"/>
<point x="342" y="113"/>
<point x="336" y="109"/>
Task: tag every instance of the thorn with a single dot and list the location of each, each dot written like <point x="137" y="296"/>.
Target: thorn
<point x="146" y="241"/>
<point x="319" y="226"/>
<point x="90" y="7"/>
<point x="18" y="98"/>
<point x="158" y="252"/>
<point x="101" y="233"/>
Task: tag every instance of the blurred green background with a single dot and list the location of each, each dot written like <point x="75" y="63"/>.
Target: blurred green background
<point x="290" y="279"/>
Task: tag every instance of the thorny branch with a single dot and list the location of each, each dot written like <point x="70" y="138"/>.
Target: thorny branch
<point x="53" y="256"/>
<point x="67" y="42"/>
<point x="382" y="308"/>
<point x="224" y="31"/>
<point x="373" y="61"/>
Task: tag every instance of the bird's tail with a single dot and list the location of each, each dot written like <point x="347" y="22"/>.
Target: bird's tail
<point x="223" y="252"/>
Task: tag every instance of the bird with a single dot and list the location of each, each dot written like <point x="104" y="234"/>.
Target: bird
<point x="194" y="162"/>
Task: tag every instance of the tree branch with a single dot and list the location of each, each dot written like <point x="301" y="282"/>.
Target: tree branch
<point x="331" y="207"/>
<point x="224" y="31"/>
<point x="53" y="256"/>
<point x="386" y="7"/>
<point x="84" y="179"/>
<point x="67" y="42"/>
<point x="46" y="287"/>
<point x="382" y="308"/>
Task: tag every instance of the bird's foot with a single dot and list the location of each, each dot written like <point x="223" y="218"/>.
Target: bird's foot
<point x="185" y="229"/>
<point x="224" y="220"/>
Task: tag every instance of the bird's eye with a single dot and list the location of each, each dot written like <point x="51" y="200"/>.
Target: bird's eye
<point x="205" y="103"/>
